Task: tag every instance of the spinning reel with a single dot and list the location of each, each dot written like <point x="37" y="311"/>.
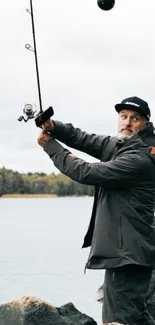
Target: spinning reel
<point x="30" y="112"/>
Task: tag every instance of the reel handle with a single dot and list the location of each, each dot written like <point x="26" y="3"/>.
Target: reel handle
<point x="44" y="116"/>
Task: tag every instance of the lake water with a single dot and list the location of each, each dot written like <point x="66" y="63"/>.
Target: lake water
<point x="41" y="255"/>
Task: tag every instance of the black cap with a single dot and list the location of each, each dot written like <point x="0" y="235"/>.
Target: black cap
<point x="135" y="104"/>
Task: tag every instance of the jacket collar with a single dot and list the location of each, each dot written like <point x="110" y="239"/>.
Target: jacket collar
<point x="145" y="137"/>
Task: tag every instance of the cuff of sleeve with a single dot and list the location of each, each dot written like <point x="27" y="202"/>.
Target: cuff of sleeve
<point x="52" y="147"/>
<point x="58" y="127"/>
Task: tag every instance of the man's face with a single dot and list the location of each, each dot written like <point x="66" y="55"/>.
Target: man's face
<point x="130" y="123"/>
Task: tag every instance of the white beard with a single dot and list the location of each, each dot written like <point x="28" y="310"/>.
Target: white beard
<point x="124" y="137"/>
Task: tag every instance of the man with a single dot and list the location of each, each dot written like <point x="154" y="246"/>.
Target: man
<point x="120" y="233"/>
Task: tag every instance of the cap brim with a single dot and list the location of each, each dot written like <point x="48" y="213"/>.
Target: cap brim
<point x="120" y="107"/>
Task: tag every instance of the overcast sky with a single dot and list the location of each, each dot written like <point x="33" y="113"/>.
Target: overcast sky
<point x="89" y="60"/>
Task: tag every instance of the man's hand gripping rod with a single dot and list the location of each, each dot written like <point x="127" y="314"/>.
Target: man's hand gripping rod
<point x="28" y="110"/>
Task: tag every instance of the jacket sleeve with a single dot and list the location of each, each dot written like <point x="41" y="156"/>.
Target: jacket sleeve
<point x="128" y="170"/>
<point x="91" y="144"/>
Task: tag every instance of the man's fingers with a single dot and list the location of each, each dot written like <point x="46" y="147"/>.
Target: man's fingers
<point x="44" y="125"/>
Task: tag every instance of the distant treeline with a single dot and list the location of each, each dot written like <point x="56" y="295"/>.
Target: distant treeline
<point x="13" y="182"/>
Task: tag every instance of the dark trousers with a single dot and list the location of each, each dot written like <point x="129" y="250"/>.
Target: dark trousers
<point x="125" y="289"/>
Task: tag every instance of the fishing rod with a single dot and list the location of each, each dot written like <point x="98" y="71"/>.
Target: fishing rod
<point x="30" y="111"/>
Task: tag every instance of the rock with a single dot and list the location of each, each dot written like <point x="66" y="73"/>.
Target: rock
<point x="35" y="311"/>
<point x="74" y="316"/>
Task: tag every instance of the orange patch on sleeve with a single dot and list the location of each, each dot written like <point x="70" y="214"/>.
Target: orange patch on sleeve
<point x="153" y="150"/>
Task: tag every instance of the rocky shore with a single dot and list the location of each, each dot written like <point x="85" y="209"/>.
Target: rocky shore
<point x="34" y="311"/>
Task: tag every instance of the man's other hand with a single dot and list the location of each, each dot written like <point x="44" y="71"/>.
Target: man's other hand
<point x="44" y="138"/>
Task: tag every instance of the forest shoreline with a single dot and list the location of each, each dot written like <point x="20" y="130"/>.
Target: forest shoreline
<point x="6" y="196"/>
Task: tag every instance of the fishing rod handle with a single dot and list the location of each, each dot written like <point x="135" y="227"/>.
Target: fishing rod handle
<point x="44" y="116"/>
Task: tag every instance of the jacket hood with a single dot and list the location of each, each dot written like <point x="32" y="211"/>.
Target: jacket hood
<point x="148" y="134"/>
<point x="143" y="140"/>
